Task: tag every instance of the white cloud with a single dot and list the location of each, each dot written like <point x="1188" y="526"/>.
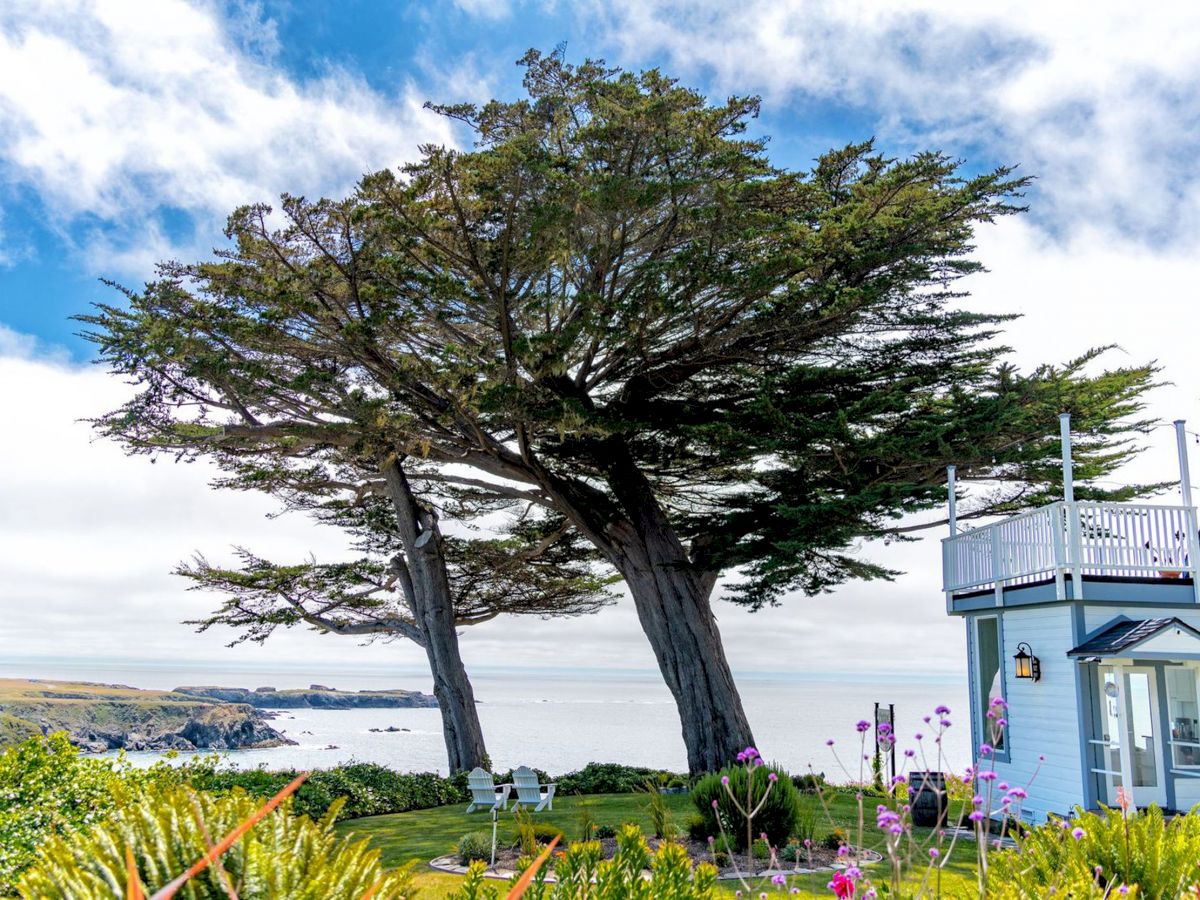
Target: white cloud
<point x="113" y="111"/>
<point x="1097" y="100"/>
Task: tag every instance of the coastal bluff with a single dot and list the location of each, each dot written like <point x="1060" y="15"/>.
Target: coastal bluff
<point x="100" y="717"/>
<point x="316" y="696"/>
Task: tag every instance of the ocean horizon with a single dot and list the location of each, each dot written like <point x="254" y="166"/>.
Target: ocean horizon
<point x="558" y="719"/>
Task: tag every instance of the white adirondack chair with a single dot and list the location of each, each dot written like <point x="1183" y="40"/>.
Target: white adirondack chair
<point x="485" y="793"/>
<point x="530" y="792"/>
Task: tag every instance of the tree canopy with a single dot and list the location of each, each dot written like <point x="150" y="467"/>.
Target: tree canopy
<point x="616" y="308"/>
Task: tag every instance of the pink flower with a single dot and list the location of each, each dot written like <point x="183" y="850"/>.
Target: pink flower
<point x="842" y="885"/>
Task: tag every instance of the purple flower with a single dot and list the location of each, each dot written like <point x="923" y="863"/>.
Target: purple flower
<point x="985" y="749"/>
<point x="918" y="735"/>
<point x="779" y="879"/>
<point x="716" y="805"/>
<point x="1077" y="833"/>
<point x="829" y="742"/>
<point x="934" y="853"/>
<point x="843" y="850"/>
<point x="1017" y="793"/>
<point x="987" y="776"/>
<point x="976" y="816"/>
<point x="910" y="753"/>
<point x="725" y="780"/>
<point x="750" y="753"/>
<point x="863" y="725"/>
<point x="760" y="762"/>
<point x="999" y="702"/>
<point x="771" y="776"/>
<point x="711" y="840"/>
<point x="942" y="711"/>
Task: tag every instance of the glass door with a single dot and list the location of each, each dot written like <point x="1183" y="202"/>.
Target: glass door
<point x="1130" y="717"/>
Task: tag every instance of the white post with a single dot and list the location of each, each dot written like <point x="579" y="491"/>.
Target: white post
<point x="1075" y="544"/>
<point x="949" y="558"/>
<point x="1189" y="511"/>
<point x="1185" y="476"/>
<point x="1064" y="427"/>
<point x="1125" y="735"/>
<point x="950" y="487"/>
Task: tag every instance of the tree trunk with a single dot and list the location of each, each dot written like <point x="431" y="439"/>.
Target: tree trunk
<point x="676" y="615"/>
<point x="433" y="611"/>
<point x="672" y="602"/>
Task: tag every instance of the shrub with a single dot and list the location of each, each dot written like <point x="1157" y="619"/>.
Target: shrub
<point x="610" y="778"/>
<point x="761" y="849"/>
<point x="605" y="831"/>
<point x="544" y="834"/>
<point x="806" y="821"/>
<point x="811" y="783"/>
<point x="586" y="822"/>
<point x="47" y="788"/>
<point x="1064" y="857"/>
<point x="367" y="789"/>
<point x="582" y="875"/>
<point x="697" y="828"/>
<point x="474" y="845"/>
<point x="776" y="818"/>
<point x="283" y="856"/>
<point x="836" y="838"/>
<point x="660" y="814"/>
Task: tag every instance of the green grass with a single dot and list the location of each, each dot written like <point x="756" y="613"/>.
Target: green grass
<point x="428" y="833"/>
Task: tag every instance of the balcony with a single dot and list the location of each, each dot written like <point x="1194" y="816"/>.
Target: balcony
<point x="1075" y="541"/>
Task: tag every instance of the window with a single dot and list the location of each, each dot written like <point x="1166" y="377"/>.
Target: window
<point x="989" y="677"/>
<point x="1184" y="712"/>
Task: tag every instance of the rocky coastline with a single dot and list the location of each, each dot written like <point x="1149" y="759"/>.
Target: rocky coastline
<point x="101" y="717"/>
<point x="316" y="696"/>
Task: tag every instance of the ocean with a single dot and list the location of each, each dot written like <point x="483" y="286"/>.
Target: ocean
<point x="558" y="720"/>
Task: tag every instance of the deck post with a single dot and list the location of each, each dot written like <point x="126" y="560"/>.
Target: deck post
<point x="1189" y="511"/>
<point x="948" y="560"/>
<point x="1075" y="542"/>
<point x="1064" y="428"/>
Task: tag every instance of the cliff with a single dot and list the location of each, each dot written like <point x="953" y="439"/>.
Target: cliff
<point x="99" y="717"/>
<point x="316" y="697"/>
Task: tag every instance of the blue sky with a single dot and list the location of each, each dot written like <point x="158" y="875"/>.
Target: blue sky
<point x="129" y="130"/>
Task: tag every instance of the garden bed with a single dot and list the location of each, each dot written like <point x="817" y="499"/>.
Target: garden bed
<point x="814" y="860"/>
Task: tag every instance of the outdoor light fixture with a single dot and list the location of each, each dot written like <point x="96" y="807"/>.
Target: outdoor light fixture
<point x="1028" y="665"/>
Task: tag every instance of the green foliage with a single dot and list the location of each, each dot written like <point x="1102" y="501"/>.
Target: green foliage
<point x="1143" y="851"/>
<point x="837" y="837"/>
<point x="807" y="816"/>
<point x="47" y="788"/>
<point x="284" y="857"/>
<point x="777" y="817"/>
<point x="612" y="778"/>
<point x="660" y="813"/>
<point x="810" y="783"/>
<point x="761" y="849"/>
<point x="366" y="789"/>
<point x="526" y="836"/>
<point x="474" y="845"/>
<point x="603" y="832"/>
<point x="586" y="822"/>
<point x="583" y="874"/>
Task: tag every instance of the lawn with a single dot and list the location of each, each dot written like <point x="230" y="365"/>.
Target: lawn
<point x="425" y="834"/>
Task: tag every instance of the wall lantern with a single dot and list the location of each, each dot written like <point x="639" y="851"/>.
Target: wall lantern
<point x="1028" y="665"/>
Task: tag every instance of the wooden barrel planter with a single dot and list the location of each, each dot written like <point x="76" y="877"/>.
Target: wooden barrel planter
<point x="927" y="797"/>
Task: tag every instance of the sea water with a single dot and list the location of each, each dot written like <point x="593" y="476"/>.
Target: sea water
<point x="559" y="720"/>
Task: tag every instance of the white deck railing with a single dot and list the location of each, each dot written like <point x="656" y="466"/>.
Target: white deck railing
<point x="1079" y="539"/>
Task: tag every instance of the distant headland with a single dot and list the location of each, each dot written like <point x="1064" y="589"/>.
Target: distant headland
<point x="102" y="717"/>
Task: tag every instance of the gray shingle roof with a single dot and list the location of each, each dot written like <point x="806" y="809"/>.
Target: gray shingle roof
<point x="1122" y="635"/>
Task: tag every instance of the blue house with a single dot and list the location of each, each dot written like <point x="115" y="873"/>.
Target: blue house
<point x="1085" y="618"/>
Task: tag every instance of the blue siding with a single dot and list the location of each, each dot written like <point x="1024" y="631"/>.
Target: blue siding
<point x="1044" y="717"/>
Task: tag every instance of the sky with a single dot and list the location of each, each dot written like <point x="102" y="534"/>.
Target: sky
<point x="128" y="131"/>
